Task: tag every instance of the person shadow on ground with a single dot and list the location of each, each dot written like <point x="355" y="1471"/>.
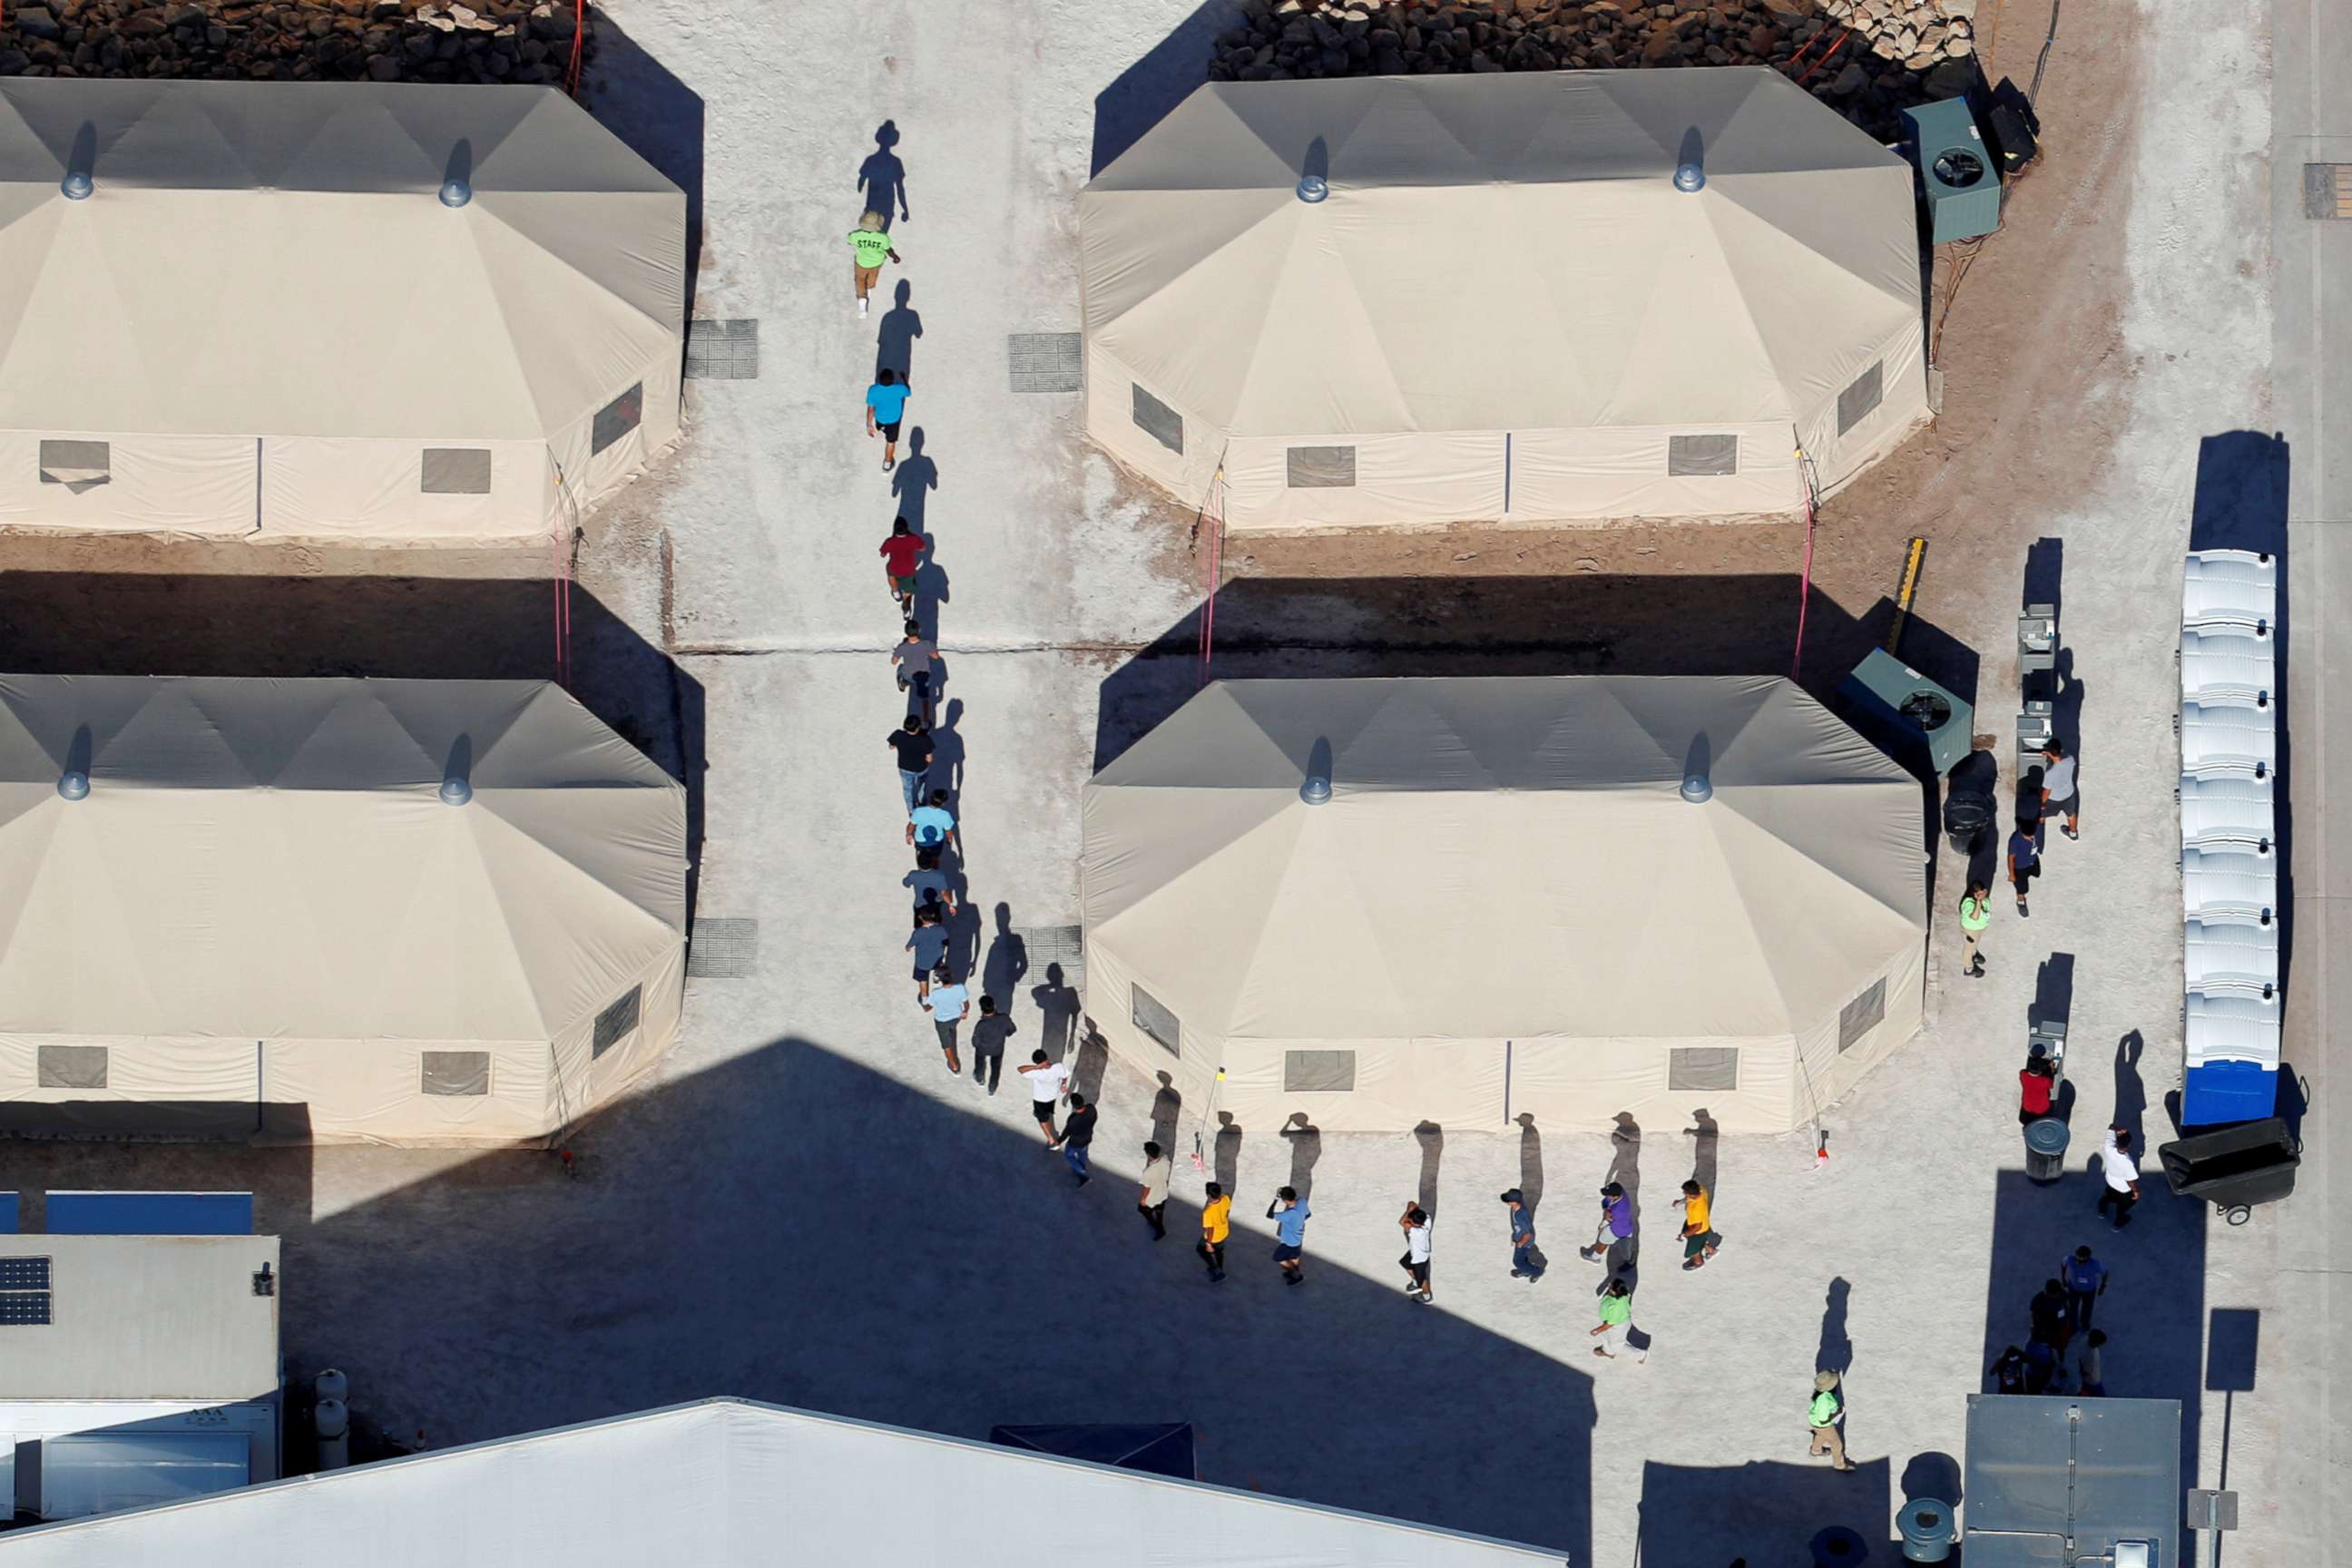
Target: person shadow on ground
<point x="913" y="480"/>
<point x="1057" y="1012"/>
<point x="932" y="595"/>
<point x="1228" y="1152"/>
<point x="1008" y="958"/>
<point x="1305" y="1150"/>
<point x="947" y="754"/>
<point x="893" y="340"/>
<point x="1836" y="1352"/>
<point x="882" y="178"/>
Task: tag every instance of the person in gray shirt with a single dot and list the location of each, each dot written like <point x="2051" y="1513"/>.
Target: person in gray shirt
<point x="929" y="944"/>
<point x="2059" y="792"/>
<point x="917" y="660"/>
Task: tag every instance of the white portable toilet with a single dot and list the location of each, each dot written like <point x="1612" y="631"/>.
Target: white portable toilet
<point x="2229" y="878"/>
<point x="2225" y="947"/>
<point x="2219" y="807"/>
<point x="2231" y="661"/>
<point x="2226" y="735"/>
<point x="2230" y="585"/>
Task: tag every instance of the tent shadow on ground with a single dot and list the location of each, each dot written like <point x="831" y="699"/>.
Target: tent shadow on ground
<point x="1769" y="1511"/>
<point x="635" y="97"/>
<point x="447" y="628"/>
<point x="497" y="1296"/>
<point x="2154" y="1310"/>
<point x="1587" y="625"/>
<point x="1140" y="96"/>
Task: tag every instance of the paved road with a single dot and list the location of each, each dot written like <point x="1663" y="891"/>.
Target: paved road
<point x="2301" y="1379"/>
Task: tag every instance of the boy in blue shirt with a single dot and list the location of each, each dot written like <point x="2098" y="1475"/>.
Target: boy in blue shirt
<point x="886" y="404"/>
<point x="1289" y="1217"/>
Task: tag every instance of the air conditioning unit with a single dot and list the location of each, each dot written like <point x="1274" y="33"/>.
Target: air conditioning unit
<point x="137" y="1462"/>
<point x="1959" y="176"/>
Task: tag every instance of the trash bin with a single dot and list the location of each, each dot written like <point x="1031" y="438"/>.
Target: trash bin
<point x="2045" y="1150"/>
<point x="1927" y="1530"/>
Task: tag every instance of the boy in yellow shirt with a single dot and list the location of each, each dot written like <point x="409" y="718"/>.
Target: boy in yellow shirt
<point x="1216" y="1224"/>
<point x="1699" y="1241"/>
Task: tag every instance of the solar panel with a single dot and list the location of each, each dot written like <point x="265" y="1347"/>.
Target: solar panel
<point x="24" y="1309"/>
<point x="24" y="1273"/>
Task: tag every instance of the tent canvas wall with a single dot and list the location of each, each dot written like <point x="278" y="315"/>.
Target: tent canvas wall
<point x="264" y="916"/>
<point x="1503" y="309"/>
<point x="333" y="352"/>
<point x="1507" y="905"/>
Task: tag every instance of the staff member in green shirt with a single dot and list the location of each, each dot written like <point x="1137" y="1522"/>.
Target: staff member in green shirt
<point x="873" y="249"/>
<point x="1616" y="1319"/>
<point x="1824" y="1417"/>
<point x="1976" y="913"/>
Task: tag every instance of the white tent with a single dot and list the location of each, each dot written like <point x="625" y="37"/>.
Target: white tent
<point x="263" y="319"/>
<point x="1503" y="308"/>
<point x="1507" y="904"/>
<point x="733" y="1484"/>
<point x="390" y="910"/>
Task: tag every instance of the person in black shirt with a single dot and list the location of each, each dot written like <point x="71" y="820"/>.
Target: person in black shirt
<point x="988" y="1037"/>
<point x="1077" y="1133"/>
<point x="2008" y="1372"/>
<point x="913" y="744"/>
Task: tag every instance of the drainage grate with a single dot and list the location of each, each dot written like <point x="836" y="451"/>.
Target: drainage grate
<point x="2327" y="190"/>
<point x="722" y="351"/>
<point x="1065" y="945"/>
<point x="1043" y="362"/>
<point x="724" y="948"/>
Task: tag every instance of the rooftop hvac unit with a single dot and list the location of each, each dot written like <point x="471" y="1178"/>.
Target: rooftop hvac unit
<point x="1959" y="176"/>
<point x="2237" y="586"/>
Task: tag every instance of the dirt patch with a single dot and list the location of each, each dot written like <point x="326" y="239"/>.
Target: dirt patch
<point x="2031" y="350"/>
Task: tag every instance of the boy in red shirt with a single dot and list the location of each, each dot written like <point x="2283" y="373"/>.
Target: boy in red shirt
<point x="902" y="554"/>
<point x="2035" y="1083"/>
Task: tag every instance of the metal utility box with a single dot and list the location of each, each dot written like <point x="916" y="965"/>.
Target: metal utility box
<point x="1960" y="175"/>
<point x="1919" y="722"/>
<point x="2053" y="1480"/>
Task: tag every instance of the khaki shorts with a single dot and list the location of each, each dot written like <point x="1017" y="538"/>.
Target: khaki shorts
<point x="867" y="277"/>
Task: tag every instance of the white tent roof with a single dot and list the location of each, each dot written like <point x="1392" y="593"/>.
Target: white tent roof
<point x="1513" y="253"/>
<point x="727" y="1483"/>
<point x="1502" y="857"/>
<point x="259" y="859"/>
<point x="316" y="284"/>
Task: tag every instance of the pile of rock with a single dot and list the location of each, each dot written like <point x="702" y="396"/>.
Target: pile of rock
<point x="291" y="40"/>
<point x="1869" y="58"/>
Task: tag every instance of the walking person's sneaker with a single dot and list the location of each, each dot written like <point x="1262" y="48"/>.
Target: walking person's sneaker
<point x="861" y="307"/>
<point x="1426" y="1298"/>
<point x="1520" y="1274"/>
<point x="2071" y="832"/>
<point x="2022" y="912"/>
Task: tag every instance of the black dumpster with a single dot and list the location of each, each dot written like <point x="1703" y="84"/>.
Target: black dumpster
<point x="2234" y="1168"/>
